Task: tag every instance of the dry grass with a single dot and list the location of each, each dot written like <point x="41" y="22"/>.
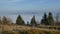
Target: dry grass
<point x="25" y="30"/>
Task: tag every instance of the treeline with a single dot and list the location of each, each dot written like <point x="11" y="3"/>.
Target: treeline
<point x="47" y="19"/>
<point x="20" y="21"/>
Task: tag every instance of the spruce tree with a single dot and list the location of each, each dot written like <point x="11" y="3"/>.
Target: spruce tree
<point x="50" y="19"/>
<point x="33" y="21"/>
<point x="27" y="23"/>
<point x="44" y="20"/>
<point x="20" y="21"/>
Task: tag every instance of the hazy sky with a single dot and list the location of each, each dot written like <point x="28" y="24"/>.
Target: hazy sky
<point x="16" y="6"/>
<point x="12" y="7"/>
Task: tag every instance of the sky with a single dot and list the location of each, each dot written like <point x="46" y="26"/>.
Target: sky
<point x="12" y="8"/>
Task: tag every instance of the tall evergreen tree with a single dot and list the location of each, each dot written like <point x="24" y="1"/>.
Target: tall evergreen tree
<point x="33" y="21"/>
<point x="19" y="20"/>
<point x="27" y="23"/>
<point x="50" y="19"/>
<point x="44" y="20"/>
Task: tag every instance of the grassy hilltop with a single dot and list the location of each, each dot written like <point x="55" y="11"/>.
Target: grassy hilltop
<point x="17" y="29"/>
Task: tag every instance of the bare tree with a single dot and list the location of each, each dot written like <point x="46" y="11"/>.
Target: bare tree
<point x="57" y="18"/>
<point x="6" y="20"/>
<point x="9" y="20"/>
<point x="0" y="19"/>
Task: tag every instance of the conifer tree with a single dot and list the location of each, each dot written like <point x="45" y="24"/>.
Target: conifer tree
<point x="33" y="21"/>
<point x="50" y="19"/>
<point x="44" y="20"/>
<point x="19" y="20"/>
<point x="27" y="23"/>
